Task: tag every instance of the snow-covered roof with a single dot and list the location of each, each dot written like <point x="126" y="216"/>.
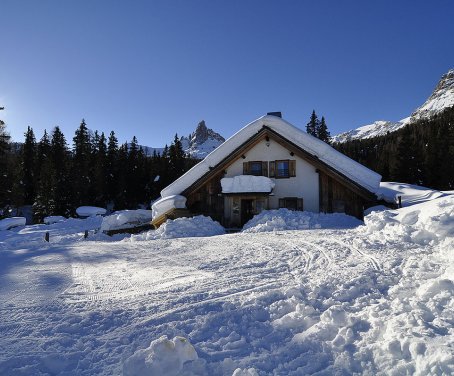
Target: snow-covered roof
<point x="355" y="171"/>
<point x="247" y="184"/>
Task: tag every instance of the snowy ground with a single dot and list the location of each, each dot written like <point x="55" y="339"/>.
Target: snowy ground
<point x="374" y="299"/>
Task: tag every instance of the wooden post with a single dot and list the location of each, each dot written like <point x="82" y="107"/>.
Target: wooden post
<point x="46" y="237"/>
<point x="86" y="234"/>
<point x="400" y="201"/>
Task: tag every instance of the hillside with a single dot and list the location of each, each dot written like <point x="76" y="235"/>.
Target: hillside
<point x="441" y="98"/>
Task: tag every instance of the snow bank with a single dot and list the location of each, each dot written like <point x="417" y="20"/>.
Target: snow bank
<point x="410" y="194"/>
<point x="165" y="204"/>
<point x="284" y="219"/>
<point x="425" y="223"/>
<point x="357" y="172"/>
<point x="125" y="219"/>
<point x="247" y="183"/>
<point x="53" y="219"/>
<point x="7" y="223"/>
<point x="162" y="357"/>
<point x="89" y="211"/>
<point x="183" y="228"/>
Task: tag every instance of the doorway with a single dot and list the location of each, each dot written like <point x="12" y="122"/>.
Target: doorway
<point x="247" y="210"/>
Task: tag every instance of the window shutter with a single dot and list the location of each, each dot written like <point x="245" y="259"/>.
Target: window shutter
<point x="265" y="168"/>
<point x="299" y="204"/>
<point x="282" y="203"/>
<point x="245" y="168"/>
<point x="292" y="168"/>
<point x="272" y="169"/>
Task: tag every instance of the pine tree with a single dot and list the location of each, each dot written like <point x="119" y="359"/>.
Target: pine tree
<point x="28" y="167"/>
<point x="99" y="169"/>
<point x="112" y="169"/>
<point x="322" y="131"/>
<point x="44" y="201"/>
<point x="5" y="181"/>
<point x="176" y="158"/>
<point x="312" y="126"/>
<point x="62" y="194"/>
<point x="81" y="165"/>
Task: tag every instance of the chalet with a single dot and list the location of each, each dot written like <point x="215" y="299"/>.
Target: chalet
<point x="270" y="164"/>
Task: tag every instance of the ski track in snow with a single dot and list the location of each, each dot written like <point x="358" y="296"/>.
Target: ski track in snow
<point x="83" y="307"/>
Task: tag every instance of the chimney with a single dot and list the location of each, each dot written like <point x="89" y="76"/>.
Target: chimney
<point x="278" y="114"/>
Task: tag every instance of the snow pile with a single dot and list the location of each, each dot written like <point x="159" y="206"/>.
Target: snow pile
<point x="162" y="357"/>
<point x="53" y="219"/>
<point x="90" y="211"/>
<point x="198" y="226"/>
<point x="247" y="183"/>
<point x="284" y="219"/>
<point x="126" y="219"/>
<point x="165" y="204"/>
<point x="426" y="223"/>
<point x="410" y="194"/>
<point x="7" y="223"/>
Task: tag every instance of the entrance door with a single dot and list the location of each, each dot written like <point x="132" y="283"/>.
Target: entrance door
<point x="247" y="211"/>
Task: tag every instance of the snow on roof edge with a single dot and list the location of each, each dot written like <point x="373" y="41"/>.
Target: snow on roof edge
<point x="355" y="171"/>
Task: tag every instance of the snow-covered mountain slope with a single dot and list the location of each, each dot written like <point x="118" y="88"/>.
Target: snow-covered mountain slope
<point x="198" y="144"/>
<point x="373" y="299"/>
<point x="441" y="98"/>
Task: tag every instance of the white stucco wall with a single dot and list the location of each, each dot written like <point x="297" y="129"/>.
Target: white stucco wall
<point x="304" y="185"/>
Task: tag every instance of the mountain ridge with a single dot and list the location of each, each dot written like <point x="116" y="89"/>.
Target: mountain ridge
<point x="441" y="98"/>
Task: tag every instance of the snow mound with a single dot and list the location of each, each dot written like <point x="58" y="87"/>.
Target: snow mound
<point x="247" y="183"/>
<point x="165" y="204"/>
<point x="284" y="219"/>
<point x="199" y="226"/>
<point x="245" y="372"/>
<point x="7" y="223"/>
<point x="90" y="211"/>
<point x="126" y="219"/>
<point x="410" y="194"/>
<point x="426" y="223"/>
<point x="162" y="357"/>
<point x="53" y="219"/>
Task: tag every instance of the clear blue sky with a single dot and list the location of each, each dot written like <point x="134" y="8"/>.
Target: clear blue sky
<point x="156" y="68"/>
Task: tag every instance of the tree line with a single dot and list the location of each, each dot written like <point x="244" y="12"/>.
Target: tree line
<point x="56" y="179"/>
<point x="421" y="153"/>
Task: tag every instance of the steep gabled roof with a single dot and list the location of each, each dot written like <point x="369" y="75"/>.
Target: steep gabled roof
<point x="354" y="171"/>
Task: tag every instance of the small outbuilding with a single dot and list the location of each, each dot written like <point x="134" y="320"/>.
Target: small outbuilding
<point x="271" y="164"/>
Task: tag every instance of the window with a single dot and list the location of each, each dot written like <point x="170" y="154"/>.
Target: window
<point x="291" y="203"/>
<point x="257" y="168"/>
<point x="282" y="169"/>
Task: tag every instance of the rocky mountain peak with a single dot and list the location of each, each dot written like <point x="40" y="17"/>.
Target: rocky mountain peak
<point x="441" y="98"/>
<point x="203" y="133"/>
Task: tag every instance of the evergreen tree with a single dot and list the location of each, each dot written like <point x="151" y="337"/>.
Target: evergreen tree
<point x="322" y="131"/>
<point x="99" y="169"/>
<point x="81" y="165"/>
<point x="112" y="168"/>
<point x="62" y="194"/>
<point x="176" y="158"/>
<point x="5" y="181"/>
<point x="44" y="202"/>
<point x="312" y="126"/>
<point x="28" y="183"/>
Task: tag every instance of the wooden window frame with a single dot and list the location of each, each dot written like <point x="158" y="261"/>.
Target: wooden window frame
<point x="247" y="168"/>
<point x="277" y="176"/>
<point x="291" y="171"/>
